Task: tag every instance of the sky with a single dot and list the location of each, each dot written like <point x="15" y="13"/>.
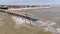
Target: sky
<point x="29" y="2"/>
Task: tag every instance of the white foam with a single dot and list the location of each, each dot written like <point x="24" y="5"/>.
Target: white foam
<point x="58" y="30"/>
<point x="47" y="26"/>
<point x="18" y="20"/>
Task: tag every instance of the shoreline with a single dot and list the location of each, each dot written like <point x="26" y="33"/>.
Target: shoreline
<point x="26" y="8"/>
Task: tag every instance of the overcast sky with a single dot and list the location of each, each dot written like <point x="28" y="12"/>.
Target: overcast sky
<point x="28" y="2"/>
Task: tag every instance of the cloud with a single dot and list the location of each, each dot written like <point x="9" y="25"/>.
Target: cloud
<point x="24" y="0"/>
<point x="15" y="0"/>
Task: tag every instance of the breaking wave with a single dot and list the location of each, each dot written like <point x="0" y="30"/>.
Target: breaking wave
<point x="47" y="25"/>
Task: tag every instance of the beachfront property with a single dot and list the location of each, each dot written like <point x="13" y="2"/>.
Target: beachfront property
<point x="19" y="7"/>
